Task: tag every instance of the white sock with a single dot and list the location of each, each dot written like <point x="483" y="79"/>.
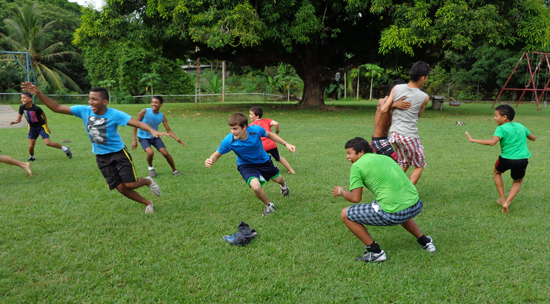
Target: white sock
<point x="32" y="155"/>
<point x="151" y="168"/>
<point x="271" y="204"/>
<point x="285" y="186"/>
<point x="64" y="148"/>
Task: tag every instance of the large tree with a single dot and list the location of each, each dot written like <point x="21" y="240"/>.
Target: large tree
<point x="319" y="38"/>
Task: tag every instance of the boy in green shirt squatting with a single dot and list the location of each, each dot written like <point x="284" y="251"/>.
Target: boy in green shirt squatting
<point x="514" y="152"/>
<point x="397" y="201"/>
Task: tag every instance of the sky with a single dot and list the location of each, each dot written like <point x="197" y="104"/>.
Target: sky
<point x="96" y="3"/>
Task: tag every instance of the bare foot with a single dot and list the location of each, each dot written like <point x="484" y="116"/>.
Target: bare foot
<point x="291" y="172"/>
<point x="505" y="208"/>
<point x="27" y="167"/>
<point x="499" y="202"/>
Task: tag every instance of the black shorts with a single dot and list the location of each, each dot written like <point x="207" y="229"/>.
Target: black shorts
<point x="148" y="142"/>
<point x="517" y="166"/>
<point x="117" y="168"/>
<point x="34" y="132"/>
<point x="263" y="172"/>
<point x="275" y="154"/>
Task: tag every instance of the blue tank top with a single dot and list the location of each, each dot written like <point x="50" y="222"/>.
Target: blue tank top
<point x="152" y="120"/>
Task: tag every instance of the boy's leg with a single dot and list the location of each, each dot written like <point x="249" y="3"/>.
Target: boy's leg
<point x="256" y="186"/>
<point x="359" y="230"/>
<point x="127" y="189"/>
<point x="149" y="157"/>
<point x="50" y="143"/>
<point x="500" y="187"/>
<point x="415" y="175"/>
<point x="169" y="158"/>
<point x="10" y="161"/>
<point x="32" y="143"/>
<point x="516" y="186"/>
<point x="285" y="163"/>
<point x="413" y="228"/>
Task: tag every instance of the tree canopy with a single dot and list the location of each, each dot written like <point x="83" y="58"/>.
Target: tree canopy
<point x="319" y="38"/>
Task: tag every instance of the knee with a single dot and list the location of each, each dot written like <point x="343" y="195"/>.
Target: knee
<point x="150" y="154"/>
<point x="121" y="188"/>
<point x="165" y="154"/>
<point x="344" y="214"/>
<point x="49" y="144"/>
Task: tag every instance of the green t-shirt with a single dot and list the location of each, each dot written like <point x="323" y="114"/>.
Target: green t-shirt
<point x="513" y="140"/>
<point x="386" y="180"/>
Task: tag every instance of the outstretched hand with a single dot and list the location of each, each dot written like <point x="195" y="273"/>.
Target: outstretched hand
<point x="291" y="148"/>
<point x="29" y="87"/>
<point x="156" y="134"/>
<point x="470" y="138"/>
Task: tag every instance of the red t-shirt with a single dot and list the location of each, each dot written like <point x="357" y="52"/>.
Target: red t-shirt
<point x="266" y="125"/>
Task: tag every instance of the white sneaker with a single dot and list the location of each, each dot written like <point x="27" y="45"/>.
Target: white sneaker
<point x="155" y="189"/>
<point x="149" y="209"/>
<point x="372" y="257"/>
<point x="430" y="247"/>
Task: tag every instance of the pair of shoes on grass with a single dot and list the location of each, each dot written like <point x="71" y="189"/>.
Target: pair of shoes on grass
<point x="381" y="257"/>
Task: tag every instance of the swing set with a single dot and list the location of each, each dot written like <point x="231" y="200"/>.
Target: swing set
<point x="532" y="82"/>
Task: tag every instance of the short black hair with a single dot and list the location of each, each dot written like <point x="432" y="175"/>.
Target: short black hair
<point x="394" y="83"/>
<point x="507" y="110"/>
<point x="27" y="94"/>
<point x="359" y="144"/>
<point x="257" y="111"/>
<point x="159" y="98"/>
<point x="102" y="91"/>
<point x="418" y="70"/>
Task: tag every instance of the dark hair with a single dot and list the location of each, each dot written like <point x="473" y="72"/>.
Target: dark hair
<point x="394" y="83"/>
<point x="418" y="70"/>
<point x="257" y="111"/>
<point x="506" y="110"/>
<point x="27" y="94"/>
<point x="159" y="99"/>
<point x="359" y="144"/>
<point x="238" y="119"/>
<point x="102" y="91"/>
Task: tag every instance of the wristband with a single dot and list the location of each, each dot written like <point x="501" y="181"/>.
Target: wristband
<point x="284" y="144"/>
<point x="277" y="132"/>
<point x="340" y="191"/>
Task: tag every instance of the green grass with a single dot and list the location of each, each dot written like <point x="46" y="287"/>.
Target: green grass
<point x="68" y="239"/>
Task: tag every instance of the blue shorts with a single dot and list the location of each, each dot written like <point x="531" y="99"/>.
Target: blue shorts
<point x="275" y="154"/>
<point x="366" y="214"/>
<point x="263" y="172"/>
<point x="35" y="131"/>
<point x="148" y="142"/>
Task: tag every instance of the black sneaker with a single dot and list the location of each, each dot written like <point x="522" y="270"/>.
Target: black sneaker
<point x="372" y="257"/>
<point x="68" y="153"/>
<point x="31" y="158"/>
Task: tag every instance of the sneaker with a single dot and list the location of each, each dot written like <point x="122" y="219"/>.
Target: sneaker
<point x="31" y="158"/>
<point x="155" y="189"/>
<point x="68" y="153"/>
<point x="152" y="173"/>
<point x="372" y="257"/>
<point x="177" y="173"/>
<point x="268" y="210"/>
<point x="149" y="209"/>
<point x="285" y="191"/>
<point x="430" y="247"/>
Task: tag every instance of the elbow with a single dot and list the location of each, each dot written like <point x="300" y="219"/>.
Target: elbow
<point x="354" y="200"/>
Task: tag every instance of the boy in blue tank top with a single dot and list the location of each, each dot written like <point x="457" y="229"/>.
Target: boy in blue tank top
<point x="112" y="157"/>
<point x="153" y="117"/>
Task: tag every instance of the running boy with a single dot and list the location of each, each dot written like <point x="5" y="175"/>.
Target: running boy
<point x="112" y="157"/>
<point x="253" y="162"/>
<point x="270" y="146"/>
<point x="153" y="117"/>
<point x="38" y="125"/>
<point x="397" y="200"/>
<point x="403" y="131"/>
<point x="514" y="153"/>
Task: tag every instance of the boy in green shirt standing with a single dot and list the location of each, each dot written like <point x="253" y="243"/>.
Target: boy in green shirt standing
<point x="397" y="201"/>
<point x="514" y="152"/>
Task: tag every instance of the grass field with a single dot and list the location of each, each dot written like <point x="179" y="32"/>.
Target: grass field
<point x="67" y="239"/>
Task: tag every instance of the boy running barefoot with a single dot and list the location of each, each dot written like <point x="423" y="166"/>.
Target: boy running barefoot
<point x="10" y="161"/>
<point x="253" y="162"/>
<point x="514" y="152"/>
<point x="270" y="146"/>
<point x="112" y="157"/>
<point x="38" y="125"/>
<point x="153" y="117"/>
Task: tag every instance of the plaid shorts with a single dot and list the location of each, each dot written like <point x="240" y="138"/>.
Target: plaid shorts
<point x="409" y="150"/>
<point x="365" y="214"/>
<point x="381" y="145"/>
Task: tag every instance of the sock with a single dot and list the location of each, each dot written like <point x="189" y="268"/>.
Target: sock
<point x="374" y="247"/>
<point x="271" y="204"/>
<point x="64" y="148"/>
<point x="423" y="240"/>
<point x="151" y="168"/>
<point x="285" y="186"/>
<point x="32" y="156"/>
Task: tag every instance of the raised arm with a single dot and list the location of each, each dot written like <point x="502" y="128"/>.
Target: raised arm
<point x="212" y="159"/>
<point x="423" y="106"/>
<point x="138" y="124"/>
<point x="169" y="131"/>
<point x="134" y="129"/>
<point x="386" y="106"/>
<point x="276" y="125"/>
<point x="50" y="103"/>
<point x="488" y="142"/>
<point x="353" y="196"/>
<point x="274" y="137"/>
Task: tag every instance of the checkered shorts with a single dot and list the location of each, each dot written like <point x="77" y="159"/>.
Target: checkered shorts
<point x="365" y="214"/>
<point x="381" y="145"/>
<point x="409" y="150"/>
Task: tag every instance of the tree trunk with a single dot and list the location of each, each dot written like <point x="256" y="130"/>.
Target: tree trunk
<point x="314" y="91"/>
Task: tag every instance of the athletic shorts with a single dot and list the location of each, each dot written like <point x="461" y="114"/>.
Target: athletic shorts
<point x="148" y="142"/>
<point x="381" y="145"/>
<point x="275" y="154"/>
<point x="517" y="166"/>
<point x="409" y="150"/>
<point x="117" y="168"/>
<point x="35" y="131"/>
<point x="263" y="172"/>
<point x="366" y="214"/>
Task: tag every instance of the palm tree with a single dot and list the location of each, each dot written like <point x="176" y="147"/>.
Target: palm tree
<point x="27" y="34"/>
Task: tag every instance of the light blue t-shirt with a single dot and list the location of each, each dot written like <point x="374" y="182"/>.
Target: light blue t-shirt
<point x="152" y="120"/>
<point x="249" y="151"/>
<point x="102" y="129"/>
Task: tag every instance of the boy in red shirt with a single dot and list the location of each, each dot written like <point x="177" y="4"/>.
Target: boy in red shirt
<point x="270" y="146"/>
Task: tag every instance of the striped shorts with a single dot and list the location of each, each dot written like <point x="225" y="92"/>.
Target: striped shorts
<point x="381" y="145"/>
<point x="367" y="214"/>
<point x="409" y="150"/>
